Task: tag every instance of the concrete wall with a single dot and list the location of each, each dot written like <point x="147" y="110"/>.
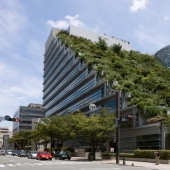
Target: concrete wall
<point x="110" y="40"/>
<point x="53" y="32"/>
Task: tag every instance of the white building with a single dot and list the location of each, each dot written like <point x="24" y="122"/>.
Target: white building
<point x="5" y="134"/>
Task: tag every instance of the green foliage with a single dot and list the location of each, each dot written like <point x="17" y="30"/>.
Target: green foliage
<point x="150" y="154"/>
<point x="164" y="154"/>
<point x="95" y="128"/>
<point x="101" y="44"/>
<point x="127" y="155"/>
<point x="117" y="48"/>
<point x="20" y="139"/>
<point x="67" y="149"/>
<point x="138" y="73"/>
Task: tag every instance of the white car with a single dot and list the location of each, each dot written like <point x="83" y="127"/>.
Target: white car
<point x="9" y="152"/>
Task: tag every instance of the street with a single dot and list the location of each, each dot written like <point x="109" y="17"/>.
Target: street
<point x="9" y="162"/>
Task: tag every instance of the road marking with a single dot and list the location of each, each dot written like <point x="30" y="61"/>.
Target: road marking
<point x="2" y="165"/>
<point x="100" y="169"/>
<point x="37" y="164"/>
<point x="10" y="165"/>
<point x="29" y="164"/>
<point x="20" y="164"/>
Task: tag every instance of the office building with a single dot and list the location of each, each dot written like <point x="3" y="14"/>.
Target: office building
<point x="69" y="85"/>
<point x="5" y="133"/>
<point x="25" y="115"/>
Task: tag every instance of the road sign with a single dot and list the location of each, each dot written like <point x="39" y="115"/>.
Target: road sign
<point x="7" y="117"/>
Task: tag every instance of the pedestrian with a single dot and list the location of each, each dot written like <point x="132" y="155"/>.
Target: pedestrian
<point x="157" y="158"/>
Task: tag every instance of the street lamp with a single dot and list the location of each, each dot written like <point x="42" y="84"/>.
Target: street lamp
<point x="117" y="126"/>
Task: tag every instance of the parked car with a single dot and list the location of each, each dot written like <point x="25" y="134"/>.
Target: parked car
<point x="14" y="152"/>
<point x="8" y="152"/>
<point x="44" y="155"/>
<point x="2" y="152"/>
<point x="32" y="154"/>
<point x="62" y="155"/>
<point x="22" y="153"/>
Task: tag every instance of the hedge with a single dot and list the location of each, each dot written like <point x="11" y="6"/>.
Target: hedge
<point x="164" y="154"/>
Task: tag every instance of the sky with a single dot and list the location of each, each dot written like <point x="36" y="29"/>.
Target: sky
<point x="26" y="24"/>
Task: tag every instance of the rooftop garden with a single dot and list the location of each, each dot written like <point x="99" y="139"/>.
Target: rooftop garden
<point x="140" y="74"/>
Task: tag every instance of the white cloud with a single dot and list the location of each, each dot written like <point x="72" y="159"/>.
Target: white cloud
<point x="138" y="4"/>
<point x="17" y="88"/>
<point x="166" y="18"/>
<point x="12" y="21"/>
<point x="69" y="20"/>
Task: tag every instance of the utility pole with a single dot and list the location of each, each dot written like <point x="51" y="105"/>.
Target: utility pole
<point x="117" y="126"/>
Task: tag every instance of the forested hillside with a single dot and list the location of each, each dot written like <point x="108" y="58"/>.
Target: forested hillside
<point x="140" y="74"/>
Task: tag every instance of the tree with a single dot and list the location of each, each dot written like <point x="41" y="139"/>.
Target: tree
<point x="55" y="128"/>
<point x="117" y="48"/>
<point x="35" y="137"/>
<point x="20" y="139"/>
<point x="95" y="128"/>
<point x="102" y="44"/>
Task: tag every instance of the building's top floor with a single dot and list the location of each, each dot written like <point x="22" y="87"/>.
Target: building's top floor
<point x="32" y="108"/>
<point x="35" y="105"/>
<point x="81" y="32"/>
<point x="4" y="130"/>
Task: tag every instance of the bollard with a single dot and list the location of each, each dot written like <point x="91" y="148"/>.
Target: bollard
<point x="157" y="158"/>
<point x="90" y="157"/>
<point x="124" y="160"/>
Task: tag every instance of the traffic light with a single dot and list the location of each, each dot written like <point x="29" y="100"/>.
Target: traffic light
<point x="13" y="119"/>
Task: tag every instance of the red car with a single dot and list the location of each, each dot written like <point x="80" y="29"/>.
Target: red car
<point x="44" y="155"/>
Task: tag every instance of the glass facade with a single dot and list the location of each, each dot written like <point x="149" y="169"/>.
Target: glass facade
<point x="152" y="141"/>
<point x="163" y="56"/>
<point x="68" y="83"/>
<point x="25" y="115"/>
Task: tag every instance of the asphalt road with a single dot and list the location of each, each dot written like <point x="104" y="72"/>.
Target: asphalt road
<point x="9" y="162"/>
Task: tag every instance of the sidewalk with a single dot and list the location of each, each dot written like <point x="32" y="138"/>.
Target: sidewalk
<point x="128" y="163"/>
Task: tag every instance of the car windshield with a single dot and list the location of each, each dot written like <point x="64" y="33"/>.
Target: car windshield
<point x="33" y="152"/>
<point x="9" y="151"/>
<point x="45" y="153"/>
<point x="23" y="152"/>
<point x="63" y="153"/>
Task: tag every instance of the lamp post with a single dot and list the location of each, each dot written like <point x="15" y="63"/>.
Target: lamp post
<point x="117" y="126"/>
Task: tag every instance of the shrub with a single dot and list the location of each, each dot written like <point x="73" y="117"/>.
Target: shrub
<point x="67" y="149"/>
<point x="164" y="154"/>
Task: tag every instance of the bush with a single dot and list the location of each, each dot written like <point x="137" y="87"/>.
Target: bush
<point x="67" y="149"/>
<point x="164" y="154"/>
<point x="129" y="155"/>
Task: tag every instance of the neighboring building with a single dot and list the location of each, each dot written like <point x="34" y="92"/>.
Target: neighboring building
<point x="70" y="86"/>
<point x="33" y="146"/>
<point x="163" y="56"/>
<point x="26" y="114"/>
<point x="5" y="133"/>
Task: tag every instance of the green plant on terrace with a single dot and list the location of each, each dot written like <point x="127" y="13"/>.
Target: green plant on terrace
<point x="140" y="74"/>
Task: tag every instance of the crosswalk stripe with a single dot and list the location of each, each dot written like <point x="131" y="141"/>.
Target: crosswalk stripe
<point x="10" y="165"/>
<point x="20" y="164"/>
<point x="44" y="163"/>
<point x="29" y="164"/>
<point x="37" y="164"/>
